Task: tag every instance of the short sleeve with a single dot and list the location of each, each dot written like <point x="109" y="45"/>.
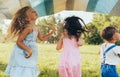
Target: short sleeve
<point x="116" y="50"/>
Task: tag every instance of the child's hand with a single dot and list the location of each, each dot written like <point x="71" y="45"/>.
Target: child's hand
<point x="29" y="54"/>
<point x="80" y="42"/>
<point x="53" y="28"/>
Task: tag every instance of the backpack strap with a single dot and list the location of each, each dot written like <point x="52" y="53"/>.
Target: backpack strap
<point x="104" y="54"/>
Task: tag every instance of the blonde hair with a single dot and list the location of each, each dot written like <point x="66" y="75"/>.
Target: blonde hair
<point x="18" y="23"/>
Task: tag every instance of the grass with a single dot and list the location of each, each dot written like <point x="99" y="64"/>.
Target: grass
<point x="49" y="57"/>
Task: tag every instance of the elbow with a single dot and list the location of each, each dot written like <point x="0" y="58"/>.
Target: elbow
<point x="57" y="48"/>
<point x="18" y="43"/>
<point x="41" y="39"/>
<point x="80" y="44"/>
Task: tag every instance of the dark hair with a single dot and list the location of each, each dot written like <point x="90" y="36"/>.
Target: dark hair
<point x="108" y="33"/>
<point x="74" y="26"/>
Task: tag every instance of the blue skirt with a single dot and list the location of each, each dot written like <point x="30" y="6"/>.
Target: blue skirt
<point x="108" y="70"/>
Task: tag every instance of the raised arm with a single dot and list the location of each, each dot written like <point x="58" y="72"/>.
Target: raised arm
<point x="80" y="42"/>
<point x="45" y="37"/>
<point x="60" y="42"/>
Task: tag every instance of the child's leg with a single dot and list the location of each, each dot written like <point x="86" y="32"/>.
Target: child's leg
<point x="102" y="69"/>
<point x="77" y="71"/>
<point x="62" y="71"/>
<point x="113" y="71"/>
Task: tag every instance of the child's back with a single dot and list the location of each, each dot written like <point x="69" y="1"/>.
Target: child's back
<point x="70" y="40"/>
<point x="70" y="58"/>
<point x="70" y="52"/>
<point x="111" y="56"/>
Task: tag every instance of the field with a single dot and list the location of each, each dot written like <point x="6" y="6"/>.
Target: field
<point x="48" y="59"/>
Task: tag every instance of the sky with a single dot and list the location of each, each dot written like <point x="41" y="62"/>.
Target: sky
<point x="86" y="16"/>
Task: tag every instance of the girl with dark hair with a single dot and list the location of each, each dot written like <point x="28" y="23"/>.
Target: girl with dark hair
<point x="23" y="61"/>
<point x="70" y="40"/>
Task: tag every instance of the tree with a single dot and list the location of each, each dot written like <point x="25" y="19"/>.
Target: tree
<point x="93" y="36"/>
<point x="100" y="21"/>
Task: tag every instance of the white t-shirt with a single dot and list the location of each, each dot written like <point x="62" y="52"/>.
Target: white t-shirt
<point x="112" y="57"/>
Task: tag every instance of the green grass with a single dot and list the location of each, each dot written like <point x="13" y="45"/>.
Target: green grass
<point x="49" y="57"/>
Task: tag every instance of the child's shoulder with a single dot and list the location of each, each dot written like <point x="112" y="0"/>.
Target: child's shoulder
<point x="28" y="28"/>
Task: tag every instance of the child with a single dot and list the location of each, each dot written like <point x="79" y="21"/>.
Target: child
<point x="23" y="61"/>
<point x="70" y="40"/>
<point x="109" y="52"/>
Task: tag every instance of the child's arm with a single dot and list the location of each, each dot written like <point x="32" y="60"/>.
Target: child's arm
<point x="45" y="37"/>
<point x="80" y="42"/>
<point x="60" y="42"/>
<point x="99" y="52"/>
<point x="20" y="41"/>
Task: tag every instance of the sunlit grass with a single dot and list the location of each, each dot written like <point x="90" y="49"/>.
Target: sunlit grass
<point x="49" y="57"/>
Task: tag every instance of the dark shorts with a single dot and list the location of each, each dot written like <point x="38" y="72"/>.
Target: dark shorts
<point x="108" y="70"/>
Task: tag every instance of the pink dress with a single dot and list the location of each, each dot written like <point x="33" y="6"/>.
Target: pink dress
<point x="69" y="64"/>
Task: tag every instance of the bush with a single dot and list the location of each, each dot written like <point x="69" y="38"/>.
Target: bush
<point x="94" y="36"/>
